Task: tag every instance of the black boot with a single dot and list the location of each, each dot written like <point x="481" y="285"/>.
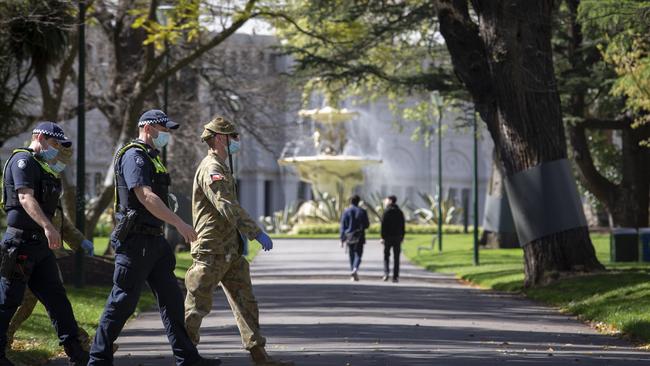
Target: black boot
<point x="77" y="355"/>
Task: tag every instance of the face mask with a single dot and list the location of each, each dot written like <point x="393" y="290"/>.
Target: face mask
<point x="162" y="140"/>
<point x="58" y="167"/>
<point x="49" y="154"/>
<point x="233" y="147"/>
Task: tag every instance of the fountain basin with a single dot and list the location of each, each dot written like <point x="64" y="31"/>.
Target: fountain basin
<point x="330" y="173"/>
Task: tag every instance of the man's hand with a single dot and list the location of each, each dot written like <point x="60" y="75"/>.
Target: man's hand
<point x="382" y="241"/>
<point x="88" y="247"/>
<point x="342" y="243"/>
<point x="53" y="237"/>
<point x="187" y="232"/>
<point x="265" y="240"/>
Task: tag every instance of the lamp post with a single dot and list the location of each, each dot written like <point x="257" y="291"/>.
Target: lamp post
<point x="162" y="12"/>
<point x="80" y="206"/>
<point x="437" y="101"/>
<point x="475" y="185"/>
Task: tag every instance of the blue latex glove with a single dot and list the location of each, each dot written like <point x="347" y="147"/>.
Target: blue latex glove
<point x="88" y="247"/>
<point x="267" y="243"/>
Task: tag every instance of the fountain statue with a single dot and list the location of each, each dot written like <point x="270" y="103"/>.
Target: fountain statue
<point x="329" y="170"/>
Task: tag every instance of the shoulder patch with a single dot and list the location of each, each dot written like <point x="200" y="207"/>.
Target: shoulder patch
<point x="216" y="176"/>
<point x="22" y="163"/>
<point x="139" y="161"/>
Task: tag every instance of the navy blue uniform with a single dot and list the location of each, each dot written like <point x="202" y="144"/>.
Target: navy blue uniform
<point x="144" y="256"/>
<point x="354" y="219"/>
<point x="36" y="264"/>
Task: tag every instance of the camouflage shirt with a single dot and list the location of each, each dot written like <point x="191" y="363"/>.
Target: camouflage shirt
<point x="218" y="218"/>
<point x="69" y="233"/>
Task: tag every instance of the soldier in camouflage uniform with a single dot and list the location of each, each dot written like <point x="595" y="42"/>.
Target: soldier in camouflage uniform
<point x="217" y="256"/>
<point x="75" y="240"/>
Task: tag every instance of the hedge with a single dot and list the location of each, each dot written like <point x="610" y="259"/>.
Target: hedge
<point x="308" y="229"/>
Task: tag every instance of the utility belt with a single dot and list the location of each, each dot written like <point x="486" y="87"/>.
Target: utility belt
<point x="148" y="230"/>
<point x="26" y="235"/>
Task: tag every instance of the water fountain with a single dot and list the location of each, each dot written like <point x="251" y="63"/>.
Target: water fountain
<point x="330" y="170"/>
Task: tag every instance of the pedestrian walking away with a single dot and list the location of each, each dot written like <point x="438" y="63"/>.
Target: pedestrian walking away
<point x="354" y="223"/>
<point x="392" y="235"/>
<point x="30" y="195"/>
<point x="222" y="226"/>
<point x="141" y="251"/>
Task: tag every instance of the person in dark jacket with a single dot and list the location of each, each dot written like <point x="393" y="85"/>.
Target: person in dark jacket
<point x="354" y="223"/>
<point x="392" y="235"/>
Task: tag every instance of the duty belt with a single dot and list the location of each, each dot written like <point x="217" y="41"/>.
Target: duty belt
<point x="26" y="234"/>
<point x="148" y="230"/>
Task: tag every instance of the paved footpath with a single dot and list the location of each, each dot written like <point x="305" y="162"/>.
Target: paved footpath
<point x="312" y="314"/>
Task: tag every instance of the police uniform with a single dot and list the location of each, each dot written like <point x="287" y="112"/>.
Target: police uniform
<point x="74" y="239"/>
<point x="35" y="262"/>
<point x="217" y="253"/>
<point x="144" y="255"/>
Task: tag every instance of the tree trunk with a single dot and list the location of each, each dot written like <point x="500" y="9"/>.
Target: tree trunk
<point x="505" y="236"/>
<point x="507" y="66"/>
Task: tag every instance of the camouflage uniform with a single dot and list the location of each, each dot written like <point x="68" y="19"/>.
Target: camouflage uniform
<point x="217" y="253"/>
<point x="217" y="256"/>
<point x="73" y="238"/>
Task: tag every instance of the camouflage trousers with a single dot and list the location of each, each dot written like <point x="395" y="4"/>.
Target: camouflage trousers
<point x="206" y="272"/>
<point x="23" y="313"/>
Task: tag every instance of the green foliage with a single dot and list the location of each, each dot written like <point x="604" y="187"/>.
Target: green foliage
<point x="450" y="213"/>
<point x="621" y="28"/>
<point x="281" y="221"/>
<point x="411" y="229"/>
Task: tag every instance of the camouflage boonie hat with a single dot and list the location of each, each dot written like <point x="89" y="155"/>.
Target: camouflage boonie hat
<point x="218" y="125"/>
<point x="65" y="155"/>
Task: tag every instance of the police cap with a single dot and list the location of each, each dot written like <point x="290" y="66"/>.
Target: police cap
<point x="51" y="129"/>
<point x="158" y="117"/>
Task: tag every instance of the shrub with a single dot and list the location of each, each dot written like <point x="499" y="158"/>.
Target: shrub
<point x="311" y="229"/>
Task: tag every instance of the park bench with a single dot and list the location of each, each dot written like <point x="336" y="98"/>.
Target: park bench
<point x="431" y="247"/>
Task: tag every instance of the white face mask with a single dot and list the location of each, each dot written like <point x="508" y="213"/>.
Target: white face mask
<point x="58" y="167"/>
<point x="161" y="140"/>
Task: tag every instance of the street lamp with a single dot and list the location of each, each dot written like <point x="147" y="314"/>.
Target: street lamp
<point x="475" y="185"/>
<point x="438" y="102"/>
<point x="80" y="207"/>
<point x="162" y="13"/>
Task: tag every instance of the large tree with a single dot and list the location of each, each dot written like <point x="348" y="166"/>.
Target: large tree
<point x="501" y="53"/>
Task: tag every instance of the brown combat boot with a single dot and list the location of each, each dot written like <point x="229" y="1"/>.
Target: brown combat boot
<point x="261" y="358"/>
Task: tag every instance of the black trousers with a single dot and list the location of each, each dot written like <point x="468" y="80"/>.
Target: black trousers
<point x="143" y="258"/>
<point x="37" y="269"/>
<point x="396" y="245"/>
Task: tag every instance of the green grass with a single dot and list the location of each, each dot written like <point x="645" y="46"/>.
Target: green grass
<point x="617" y="301"/>
<point x="36" y="340"/>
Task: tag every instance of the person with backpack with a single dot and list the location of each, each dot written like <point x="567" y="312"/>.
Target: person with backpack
<point x="354" y="223"/>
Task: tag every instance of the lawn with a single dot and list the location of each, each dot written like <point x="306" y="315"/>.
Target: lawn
<point x="617" y="301"/>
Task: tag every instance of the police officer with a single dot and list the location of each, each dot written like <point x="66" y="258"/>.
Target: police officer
<point x="217" y="254"/>
<point x="143" y="254"/>
<point x="71" y="236"/>
<point x="31" y="192"/>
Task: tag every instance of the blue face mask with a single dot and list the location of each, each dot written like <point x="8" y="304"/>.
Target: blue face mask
<point x="161" y="140"/>
<point x="49" y="154"/>
<point x="58" y="167"/>
<point x="233" y="147"/>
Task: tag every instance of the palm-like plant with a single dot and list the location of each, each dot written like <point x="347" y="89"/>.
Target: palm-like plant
<point x="429" y="215"/>
<point x="281" y="221"/>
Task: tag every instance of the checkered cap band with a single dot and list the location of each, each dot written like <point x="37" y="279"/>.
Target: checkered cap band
<point x="48" y="133"/>
<point x="158" y="121"/>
